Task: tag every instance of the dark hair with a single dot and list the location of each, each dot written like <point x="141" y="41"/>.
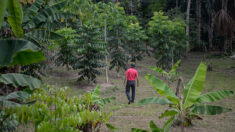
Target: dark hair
<point x="132" y="65"/>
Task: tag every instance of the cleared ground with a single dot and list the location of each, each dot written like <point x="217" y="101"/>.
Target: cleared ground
<point x="125" y="116"/>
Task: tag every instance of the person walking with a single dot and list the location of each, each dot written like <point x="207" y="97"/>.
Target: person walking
<point x="129" y="82"/>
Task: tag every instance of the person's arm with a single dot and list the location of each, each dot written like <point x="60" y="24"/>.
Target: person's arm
<point x="137" y="78"/>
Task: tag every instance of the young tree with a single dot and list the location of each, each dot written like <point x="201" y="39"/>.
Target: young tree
<point x="91" y="50"/>
<point x="167" y="39"/>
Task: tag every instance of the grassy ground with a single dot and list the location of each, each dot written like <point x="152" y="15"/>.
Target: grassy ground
<point x="125" y="116"/>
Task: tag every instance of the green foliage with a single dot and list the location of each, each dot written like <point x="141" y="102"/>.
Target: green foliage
<point x="21" y="80"/>
<point x="91" y="50"/>
<point x="15" y="17"/>
<point x="171" y="75"/>
<point x="135" y="38"/>
<point x="19" y="52"/>
<point x="184" y="108"/>
<point x="3" y="4"/>
<point x="66" y="55"/>
<point x="167" y="39"/>
<point x="53" y="110"/>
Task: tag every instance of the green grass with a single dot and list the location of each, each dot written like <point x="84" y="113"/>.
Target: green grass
<point x="125" y="116"/>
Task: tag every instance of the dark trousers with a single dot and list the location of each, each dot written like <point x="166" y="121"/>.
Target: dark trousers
<point x="130" y="84"/>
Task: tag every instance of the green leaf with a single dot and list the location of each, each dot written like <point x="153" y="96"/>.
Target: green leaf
<point x="43" y="35"/>
<point x="214" y="96"/>
<point x="32" y="10"/>
<point x="111" y="127"/>
<point x="15" y="95"/>
<point x="43" y="15"/>
<point x="22" y="80"/>
<point x="162" y="88"/>
<point x="169" y="112"/>
<point x="194" y="87"/>
<point x="158" y="69"/>
<point x="153" y="100"/>
<point x="3" y="8"/>
<point x="15" y="17"/>
<point x="96" y="93"/>
<point x="168" y="124"/>
<point x="176" y="65"/>
<point x="138" y="130"/>
<point x="154" y="127"/>
<point x="104" y="101"/>
<point x="21" y="52"/>
<point x="205" y="109"/>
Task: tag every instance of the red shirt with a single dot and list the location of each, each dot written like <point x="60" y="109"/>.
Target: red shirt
<point x="131" y="74"/>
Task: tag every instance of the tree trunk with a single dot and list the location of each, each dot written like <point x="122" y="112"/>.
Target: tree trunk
<point x="131" y="6"/>
<point x="210" y="37"/>
<point x="198" y="13"/>
<point x="187" y="27"/>
<point x="176" y="3"/>
<point x="106" y="56"/>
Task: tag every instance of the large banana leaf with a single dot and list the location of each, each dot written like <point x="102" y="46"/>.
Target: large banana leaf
<point x="194" y="87"/>
<point x="153" y="100"/>
<point x="154" y="127"/>
<point x="3" y="8"/>
<point x="162" y="89"/>
<point x="42" y="16"/>
<point x="214" y="96"/>
<point x="15" y="95"/>
<point x="15" y="17"/>
<point x="19" y="52"/>
<point x="205" y="109"/>
<point x="22" y="80"/>
<point x="32" y="10"/>
<point x="43" y="35"/>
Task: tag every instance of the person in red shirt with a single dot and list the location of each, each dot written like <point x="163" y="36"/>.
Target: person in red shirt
<point x="129" y="82"/>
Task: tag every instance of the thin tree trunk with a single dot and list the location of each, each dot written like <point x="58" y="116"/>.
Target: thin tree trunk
<point x="187" y="22"/>
<point x="210" y="37"/>
<point x="176" y="3"/>
<point x="106" y="56"/>
<point x="80" y="12"/>
<point x="198" y="13"/>
<point x="131" y="7"/>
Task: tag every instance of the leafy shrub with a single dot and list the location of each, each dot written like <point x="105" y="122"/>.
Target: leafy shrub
<point x="54" y="111"/>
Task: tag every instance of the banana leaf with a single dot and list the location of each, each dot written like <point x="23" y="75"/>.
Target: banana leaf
<point x="19" y="52"/>
<point x="104" y="101"/>
<point x="158" y="69"/>
<point x="15" y="18"/>
<point x="176" y="65"/>
<point x="95" y="95"/>
<point x="162" y="89"/>
<point x="22" y="80"/>
<point x="3" y="8"/>
<point x="194" y="88"/>
<point x="41" y="35"/>
<point x="205" y="109"/>
<point x="214" y="96"/>
<point x="42" y="16"/>
<point x="168" y="124"/>
<point x="169" y="112"/>
<point x="32" y="10"/>
<point x="111" y="127"/>
<point x="153" y="100"/>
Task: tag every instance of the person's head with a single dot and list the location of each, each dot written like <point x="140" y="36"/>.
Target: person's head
<point x="132" y="65"/>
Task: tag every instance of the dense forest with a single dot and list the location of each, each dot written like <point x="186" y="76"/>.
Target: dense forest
<point x="97" y="40"/>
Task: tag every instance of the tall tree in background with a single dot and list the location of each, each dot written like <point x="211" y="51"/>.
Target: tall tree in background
<point x="198" y="14"/>
<point x="187" y="22"/>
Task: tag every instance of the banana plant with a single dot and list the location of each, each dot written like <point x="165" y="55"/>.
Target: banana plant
<point x="172" y="74"/>
<point x="191" y="104"/>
